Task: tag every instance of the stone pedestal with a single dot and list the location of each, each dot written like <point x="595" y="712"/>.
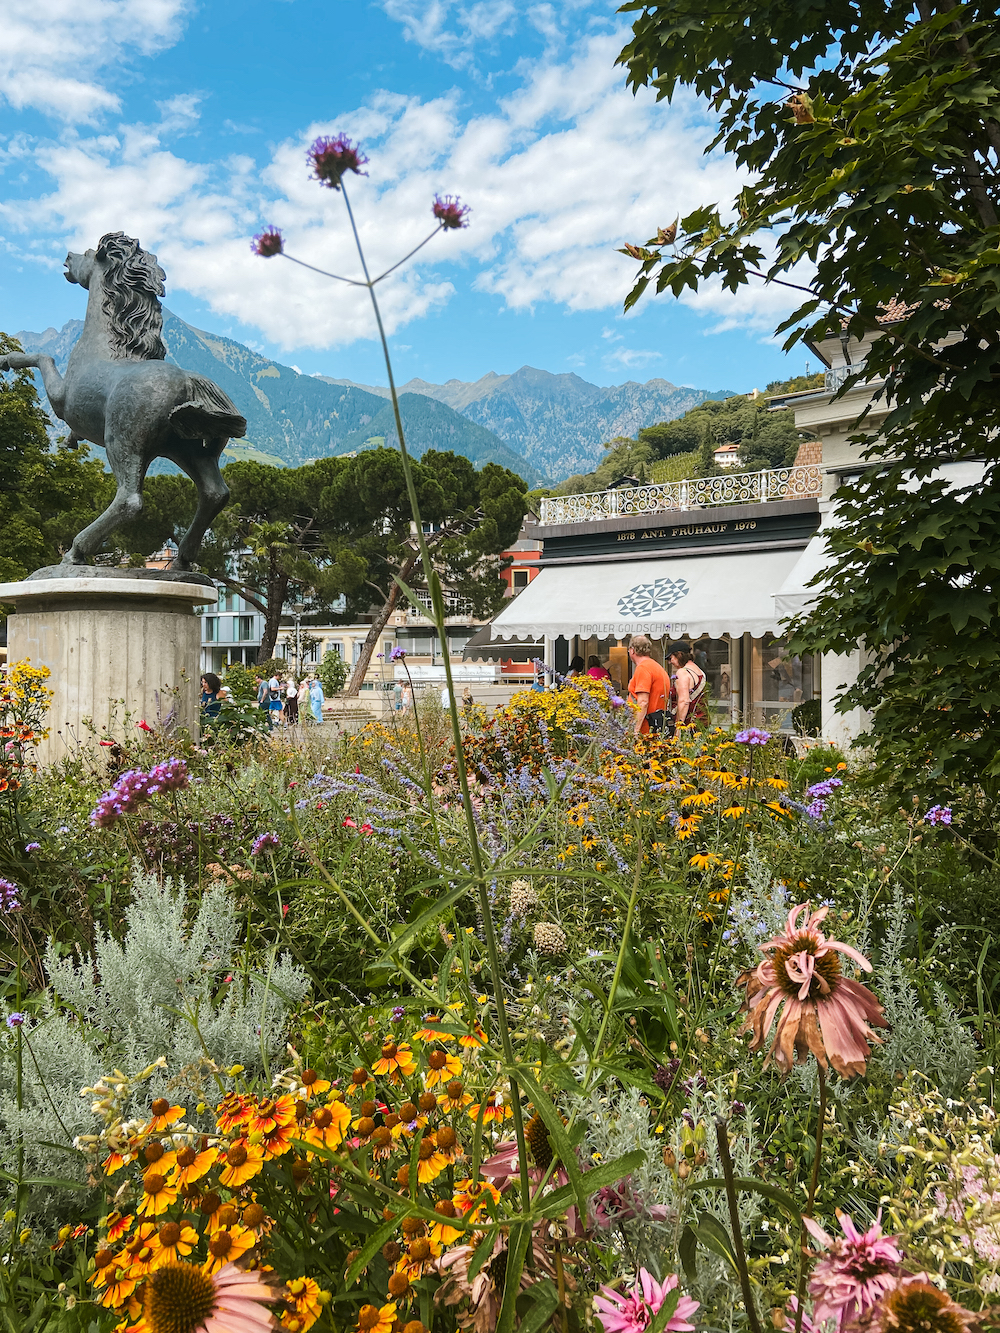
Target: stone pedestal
<point x="122" y="646"/>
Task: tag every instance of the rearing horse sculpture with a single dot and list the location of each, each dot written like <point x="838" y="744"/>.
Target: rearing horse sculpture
<point x="119" y="392"/>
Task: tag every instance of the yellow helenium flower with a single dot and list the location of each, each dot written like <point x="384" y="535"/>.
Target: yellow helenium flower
<point x="397" y="1061"/>
<point x="175" y="1239"/>
<point x="452" y="1068"/>
<point x="157" y="1195"/>
<point x="164" y="1115"/>
<point x="329" y="1124"/>
<point x="243" y="1162"/>
<point x="371" y="1319"/>
<point x="227" y="1246"/>
<point x="192" y="1165"/>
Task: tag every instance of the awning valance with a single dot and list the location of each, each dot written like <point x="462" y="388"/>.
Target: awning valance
<point x="795" y="595"/>
<point x="709" y="594"/>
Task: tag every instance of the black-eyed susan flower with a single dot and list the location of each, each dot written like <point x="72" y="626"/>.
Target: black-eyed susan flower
<point x="305" y="1301"/>
<point x="476" y="1037"/>
<point x="734" y="811"/>
<point x="329" y="1125"/>
<point x="701" y="797"/>
<point x="494" y="1109"/>
<point x="157" y="1194"/>
<point x="243" y="1162"/>
<point x="176" y="1239"/>
<point x="455" y="1098"/>
<point x="686" y="827"/>
<point x="442" y="1067"/>
<point x="375" y="1319"/>
<point x="396" y="1061"/>
<point x="234" y="1112"/>
<point x="432" y="1034"/>
<point x="703" y="860"/>
<point x="192" y="1164"/>
<point x="442" y="1233"/>
<point x="163" y="1116"/>
<point x="430" y="1162"/>
<point x="314" y="1086"/>
<point x="227" y="1246"/>
<point x="116" y="1225"/>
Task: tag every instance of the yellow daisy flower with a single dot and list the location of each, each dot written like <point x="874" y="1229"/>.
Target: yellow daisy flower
<point x="243" y="1162"/>
<point x="227" y="1246"/>
<point x="372" y="1319"/>
<point x="164" y="1115"/>
<point x="157" y="1194"/>
<point x="397" y="1061"/>
<point x="443" y="1068"/>
<point x="176" y="1239"/>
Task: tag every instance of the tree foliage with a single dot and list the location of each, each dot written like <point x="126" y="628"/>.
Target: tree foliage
<point x="46" y="495"/>
<point x="767" y="438"/>
<point x="873" y="136"/>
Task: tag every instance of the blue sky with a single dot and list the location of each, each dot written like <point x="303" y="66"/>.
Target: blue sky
<point x="185" y="123"/>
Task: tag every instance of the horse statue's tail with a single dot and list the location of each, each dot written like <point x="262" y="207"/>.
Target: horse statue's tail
<point x="207" y="411"/>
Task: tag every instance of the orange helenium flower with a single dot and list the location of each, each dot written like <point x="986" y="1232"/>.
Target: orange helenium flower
<point x="825" y="1012"/>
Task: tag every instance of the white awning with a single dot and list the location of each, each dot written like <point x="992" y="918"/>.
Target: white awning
<point x="794" y="595"/>
<point x="709" y="594"/>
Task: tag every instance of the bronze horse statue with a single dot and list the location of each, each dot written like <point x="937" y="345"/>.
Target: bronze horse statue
<point x="120" y="392"/>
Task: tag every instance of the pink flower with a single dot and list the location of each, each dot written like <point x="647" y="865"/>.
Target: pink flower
<point x="854" y="1273"/>
<point x="632" y="1312"/>
<point x="450" y="212"/>
<point x="267" y="243"/>
<point x="824" y="1011"/>
<point x="144" y="726"/>
<point x="230" y="1301"/>
<point x="349" y="823"/>
<point x="331" y="159"/>
<point x="367" y="830"/>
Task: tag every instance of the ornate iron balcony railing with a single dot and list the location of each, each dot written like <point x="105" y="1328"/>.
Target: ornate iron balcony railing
<point x="781" y="483"/>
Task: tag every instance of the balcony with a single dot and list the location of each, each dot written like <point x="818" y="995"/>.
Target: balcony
<point x="782" y="483"/>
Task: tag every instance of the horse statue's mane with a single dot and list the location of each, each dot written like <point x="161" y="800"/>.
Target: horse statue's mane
<point x="133" y="284"/>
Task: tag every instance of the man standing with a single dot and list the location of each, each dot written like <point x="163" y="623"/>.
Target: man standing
<point x="648" y="687"/>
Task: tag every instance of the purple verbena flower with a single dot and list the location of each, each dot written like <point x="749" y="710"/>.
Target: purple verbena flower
<point x="9" y="901"/>
<point x="265" y="842"/>
<point x="938" y="814"/>
<point x="816" y="809"/>
<point x="397" y="654"/>
<point x="617" y="701"/>
<point x="268" y="243"/>
<point x="33" y="847"/>
<point x="450" y="211"/>
<point x="135" y="787"/>
<point x="15" y="1020"/>
<point x="398" y="1013"/>
<point x="753" y="736"/>
<point x="826" y="788"/>
<point x="331" y="159"/>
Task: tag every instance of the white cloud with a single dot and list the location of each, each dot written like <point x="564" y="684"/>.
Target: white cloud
<point x="559" y="174"/>
<point x="54" y="51"/>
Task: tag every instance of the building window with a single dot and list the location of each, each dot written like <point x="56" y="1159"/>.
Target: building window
<point x="245" y="628"/>
<point x="519" y="578"/>
<point x="211" y="629"/>
<point x="335" y="646"/>
<point x="386" y="648"/>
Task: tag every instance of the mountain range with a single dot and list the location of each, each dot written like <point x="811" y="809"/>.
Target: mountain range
<point x="538" y="424"/>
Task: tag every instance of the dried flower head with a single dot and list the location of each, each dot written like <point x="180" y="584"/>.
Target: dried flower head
<point x="914" y="1305"/>
<point x="331" y="159"/>
<point x="549" y="938"/>
<point x="824" y="1012"/>
<point x="266" y="243"/>
<point x="450" y="211"/>
<point x="522" y="897"/>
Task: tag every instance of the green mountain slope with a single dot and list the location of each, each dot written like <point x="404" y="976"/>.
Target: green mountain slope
<point x="296" y="418"/>
<point x="433" y="425"/>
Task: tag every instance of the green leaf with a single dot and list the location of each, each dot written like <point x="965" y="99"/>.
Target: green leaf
<point x="517" y="1248"/>
<point x="687" y="1250"/>
<point x="714" y="1236"/>
<point x="483" y="1252"/>
<point x="369" y="1250"/>
<point x="543" y="1306"/>
<point x="746" y="1185"/>
<point x="414" y="928"/>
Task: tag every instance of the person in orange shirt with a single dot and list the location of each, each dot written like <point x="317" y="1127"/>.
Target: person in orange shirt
<point x="649" y="687"/>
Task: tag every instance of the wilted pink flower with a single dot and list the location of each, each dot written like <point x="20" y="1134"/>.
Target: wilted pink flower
<point x="854" y="1273"/>
<point x="619" y="1203"/>
<point x="916" y="1303"/>
<point x="450" y="211"/>
<point x="633" y="1311"/>
<point x="824" y="1011"/>
<point x="331" y="159"/>
<point x="267" y="243"/>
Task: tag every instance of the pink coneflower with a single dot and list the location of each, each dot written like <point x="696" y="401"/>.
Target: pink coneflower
<point x="824" y="1011"/>
<point x="332" y="159"/>
<point x="180" y="1298"/>
<point x="266" y="243"/>
<point x="633" y="1311"/>
<point x="915" y="1305"/>
<point x="854" y="1273"/>
<point x="450" y="211"/>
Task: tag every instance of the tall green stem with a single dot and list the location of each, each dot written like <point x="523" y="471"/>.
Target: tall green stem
<point x="813" y="1185"/>
<point x="479" y="870"/>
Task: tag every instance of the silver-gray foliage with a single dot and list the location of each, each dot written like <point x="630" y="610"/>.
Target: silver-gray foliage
<point x="160" y="992"/>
